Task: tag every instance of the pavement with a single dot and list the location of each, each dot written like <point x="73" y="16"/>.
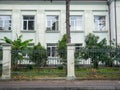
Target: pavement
<point x="61" y="85"/>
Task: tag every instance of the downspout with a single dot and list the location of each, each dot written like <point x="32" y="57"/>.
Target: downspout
<point x="115" y="22"/>
<point x="108" y="3"/>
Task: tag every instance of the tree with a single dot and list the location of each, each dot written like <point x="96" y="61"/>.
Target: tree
<point x="17" y="46"/>
<point x="38" y="55"/>
<point x="62" y="51"/>
<point x="62" y="48"/>
<point x="68" y="38"/>
<point x="94" y="49"/>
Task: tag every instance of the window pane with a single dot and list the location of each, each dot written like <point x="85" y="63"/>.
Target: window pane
<point x="25" y="25"/>
<point x="5" y="22"/>
<point x="48" y="51"/>
<point x="52" y="23"/>
<point x="31" y="25"/>
<point x="76" y="22"/>
<point x="1" y="25"/>
<point x="100" y="23"/>
<point x="28" y="22"/>
<point x="28" y="17"/>
<point x="53" y="51"/>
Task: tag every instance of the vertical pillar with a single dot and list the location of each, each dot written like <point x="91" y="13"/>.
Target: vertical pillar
<point x="6" y="64"/>
<point x="70" y="62"/>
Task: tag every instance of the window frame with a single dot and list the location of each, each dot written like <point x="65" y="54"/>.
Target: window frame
<point x="4" y="24"/>
<point x="98" y="27"/>
<point x="75" y="25"/>
<point x="53" y="52"/>
<point x="49" y="28"/>
<point x="27" y="21"/>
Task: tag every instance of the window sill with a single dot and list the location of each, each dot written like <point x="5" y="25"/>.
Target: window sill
<point x="5" y="30"/>
<point x="52" y="31"/>
<point x="77" y="31"/>
<point x="100" y="31"/>
<point x="28" y="31"/>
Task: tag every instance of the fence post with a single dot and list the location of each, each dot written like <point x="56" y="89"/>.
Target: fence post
<point x="6" y="63"/>
<point x="70" y="62"/>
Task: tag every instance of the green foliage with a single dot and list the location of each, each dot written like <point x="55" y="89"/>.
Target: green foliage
<point x="1" y="53"/>
<point x="17" y="46"/>
<point x="62" y="48"/>
<point x="60" y="67"/>
<point x="92" y="49"/>
<point x="38" y="55"/>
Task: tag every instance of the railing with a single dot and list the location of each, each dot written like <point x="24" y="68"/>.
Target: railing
<point x="101" y="55"/>
<point x="99" y="63"/>
<point x="36" y="64"/>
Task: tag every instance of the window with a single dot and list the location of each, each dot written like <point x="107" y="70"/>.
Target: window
<point x="5" y="22"/>
<point x="76" y="23"/>
<point x="100" y="23"/>
<point x="78" y="46"/>
<point x="28" y="22"/>
<point x="52" y="23"/>
<point x="52" y="50"/>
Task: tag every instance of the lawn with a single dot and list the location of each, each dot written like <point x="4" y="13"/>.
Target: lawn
<point x="0" y="69"/>
<point x="111" y="73"/>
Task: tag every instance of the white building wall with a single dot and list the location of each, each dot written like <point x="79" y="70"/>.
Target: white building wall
<point x="41" y="9"/>
<point x="118" y="20"/>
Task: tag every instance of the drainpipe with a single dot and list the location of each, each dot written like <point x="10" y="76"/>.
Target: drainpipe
<point x="108" y="3"/>
<point x="115" y="22"/>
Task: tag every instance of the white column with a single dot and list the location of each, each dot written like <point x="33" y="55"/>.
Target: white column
<point x="70" y="62"/>
<point x="6" y="63"/>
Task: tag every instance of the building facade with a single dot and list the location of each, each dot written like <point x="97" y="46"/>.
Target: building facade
<point x="45" y="21"/>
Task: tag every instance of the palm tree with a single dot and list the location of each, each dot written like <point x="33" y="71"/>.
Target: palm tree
<point x="67" y="21"/>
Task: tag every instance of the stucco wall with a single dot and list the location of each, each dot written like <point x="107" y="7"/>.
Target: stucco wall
<point x="41" y="9"/>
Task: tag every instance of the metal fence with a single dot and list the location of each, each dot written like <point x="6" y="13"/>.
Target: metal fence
<point x="104" y="56"/>
<point x="99" y="63"/>
<point x="36" y="64"/>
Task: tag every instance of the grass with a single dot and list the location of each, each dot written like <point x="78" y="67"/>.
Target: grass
<point x="38" y="73"/>
<point x="101" y="73"/>
<point x="111" y="73"/>
<point x="0" y="70"/>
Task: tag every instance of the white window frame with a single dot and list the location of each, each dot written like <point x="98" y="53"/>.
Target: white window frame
<point x="51" y="46"/>
<point x="2" y="27"/>
<point x="52" y="20"/>
<point x="27" y="23"/>
<point x="76" y="27"/>
<point x="101" y="24"/>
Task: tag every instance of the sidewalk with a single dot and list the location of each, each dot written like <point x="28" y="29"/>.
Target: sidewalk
<point x="60" y="85"/>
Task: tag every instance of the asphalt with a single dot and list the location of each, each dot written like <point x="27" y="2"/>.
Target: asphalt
<point x="61" y="85"/>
